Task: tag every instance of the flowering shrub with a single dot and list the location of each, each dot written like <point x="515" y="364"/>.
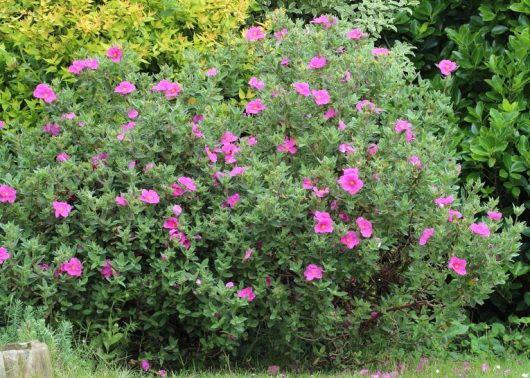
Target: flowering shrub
<point x="319" y="221"/>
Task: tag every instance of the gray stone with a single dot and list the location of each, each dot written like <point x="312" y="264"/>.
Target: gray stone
<point x="25" y="360"/>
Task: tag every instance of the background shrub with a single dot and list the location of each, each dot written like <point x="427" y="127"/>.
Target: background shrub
<point x="166" y="299"/>
<point x="39" y="40"/>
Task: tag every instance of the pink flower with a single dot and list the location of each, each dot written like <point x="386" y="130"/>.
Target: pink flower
<point x="330" y="114"/>
<point x="145" y="365"/>
<point x="120" y="136"/>
<point x="121" y="201"/>
<point x="2" y="124"/>
<point x="402" y="125"/>
<point x="453" y="214"/>
<point x="107" y="271"/>
<point x="268" y="281"/>
<point x="458" y="265"/>
<point x="236" y="171"/>
<point x="177" y="190"/>
<point x="212" y="156"/>
<point x="211" y="72"/>
<point x="426" y="235"/>
<point x="350" y="181"/>
<point x="255" y="33"/>
<point x="316" y="62"/>
<point x="346" y="149"/>
<point x="72" y="267"/>
<point x="288" y="145"/>
<point x="196" y="132"/>
<point x="255" y="83"/>
<point x="480" y="229"/>
<point x="365" y="226"/>
<point x="162" y="86"/>
<point x="76" y="67"/>
<point x="114" y="53"/>
<point x="302" y="88"/>
<point x="285" y="61"/>
<point x="173" y="90"/>
<point x="171" y="223"/>
<point x="409" y="135"/>
<point x="380" y="51"/>
<point x="494" y="216"/>
<point x="62" y="209"/>
<point x="321" y="97"/>
<point x="313" y="272"/>
<point x="54" y="129"/>
<point x="342" y="125"/>
<point x="344" y="217"/>
<point x="252" y="141"/>
<point x="149" y="196"/>
<point x="246" y="293"/>
<point x="255" y="107"/>
<point x="324" y="21"/>
<point x="321" y="193"/>
<point x="307" y="183"/>
<point x="232" y="200"/>
<point x="350" y="240"/>
<point x="443" y="201"/>
<point x="446" y="67"/>
<point x="229" y="285"/>
<point x="91" y="64"/>
<point x="124" y="88"/>
<point x="280" y="35"/>
<point x="248" y="254"/>
<point x="4" y="255"/>
<point x="228" y="137"/>
<point x="162" y="373"/>
<point x="62" y="157"/>
<point x="7" y="194"/>
<point x="324" y="223"/>
<point x="45" y="93"/>
<point x="414" y="160"/>
<point x="355" y="34"/>
<point x="188" y="183"/>
<point x="361" y="105"/>
<point x="177" y="210"/>
<point x="132" y="113"/>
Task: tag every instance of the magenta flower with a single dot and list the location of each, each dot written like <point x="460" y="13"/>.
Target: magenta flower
<point x="211" y="72"/>
<point x="365" y="227"/>
<point x="72" y="267"/>
<point x="162" y="86"/>
<point x="247" y="293"/>
<point x="114" y="53"/>
<point x="355" y="34"/>
<point x="255" y="83"/>
<point x="316" y="62"/>
<point x="76" y="67"/>
<point x="188" y="183"/>
<point x="330" y="114"/>
<point x="426" y="235"/>
<point x="321" y="97"/>
<point x="494" y="216"/>
<point x="173" y="90"/>
<point x="446" y="66"/>
<point x="280" y="35"/>
<point x="248" y="254"/>
<point x="145" y="365"/>
<point x="2" y="124"/>
<point x="4" y="255"/>
<point x="162" y="373"/>
<point x="171" y="223"/>
<point x="458" y="265"/>
<point x="232" y="200"/>
<point x="121" y="201"/>
<point x="132" y="113"/>
<point x="444" y="201"/>
<point x="107" y="271"/>
<point x="302" y="88"/>
<point x="288" y="145"/>
<point x="285" y="61"/>
<point x="350" y="181"/>
<point x="125" y="88"/>
<point x="254" y="34"/>
<point x="149" y="196"/>
<point x="324" y="21"/>
<point x="45" y="93"/>
<point x="361" y="105"/>
<point x="237" y="171"/>
<point x="346" y="149"/>
<point x="350" y="240"/>
<point x="313" y="272"/>
<point x="54" y="129"/>
<point x="177" y="210"/>
<point x="255" y="107"/>
<point x="480" y="229"/>
<point x="7" y="194"/>
<point x="228" y="137"/>
<point x="414" y="160"/>
<point x="402" y="125"/>
<point x="453" y="214"/>
<point x="380" y="51"/>
<point x="62" y="157"/>
<point x="342" y="125"/>
<point x="324" y="223"/>
<point x="372" y="149"/>
<point x="62" y="209"/>
<point x="321" y="193"/>
<point x="307" y="183"/>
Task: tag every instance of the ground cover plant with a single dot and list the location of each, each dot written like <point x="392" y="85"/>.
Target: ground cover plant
<point x="318" y="221"/>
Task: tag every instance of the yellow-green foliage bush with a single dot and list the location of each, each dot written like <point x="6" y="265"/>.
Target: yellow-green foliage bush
<point x="39" y="39"/>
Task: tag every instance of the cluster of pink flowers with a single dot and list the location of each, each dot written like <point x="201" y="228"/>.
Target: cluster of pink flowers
<point x="78" y="66"/>
<point x="172" y="90"/>
<point x="172" y="225"/>
<point x="363" y="105"/>
<point x="325" y="21"/>
<point x="52" y="129"/>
